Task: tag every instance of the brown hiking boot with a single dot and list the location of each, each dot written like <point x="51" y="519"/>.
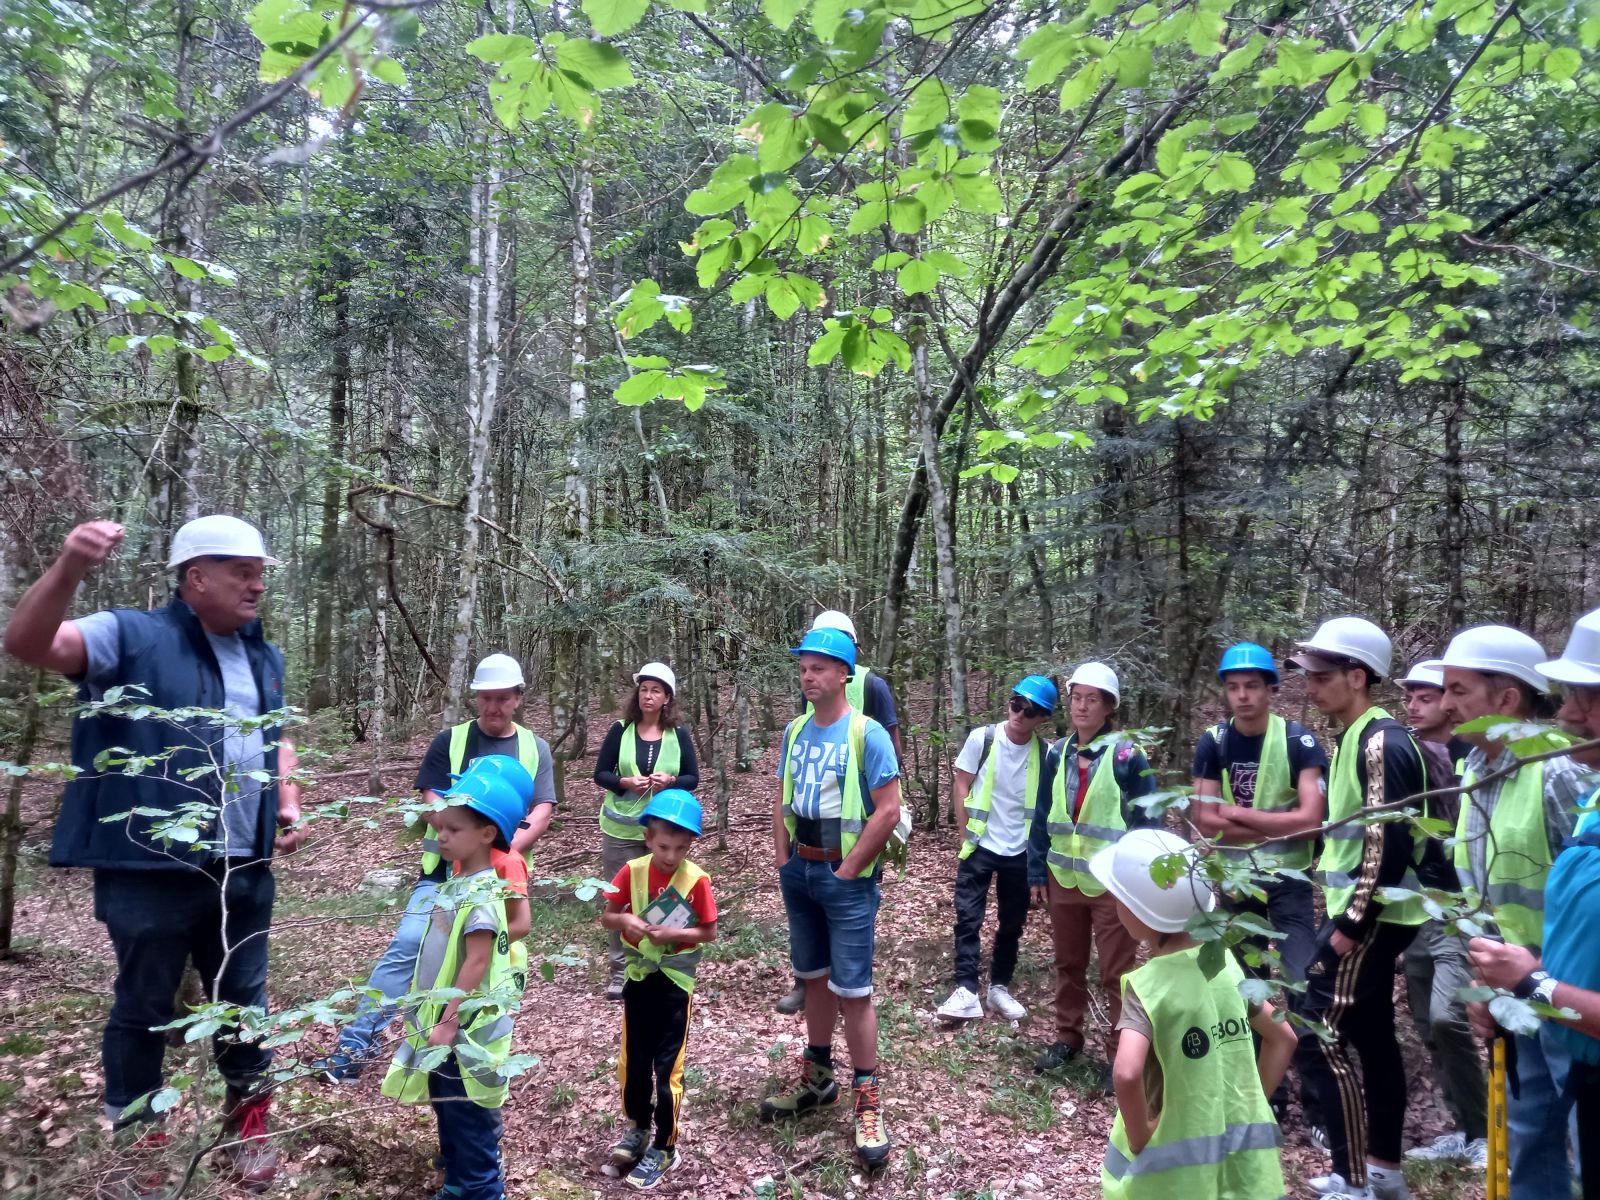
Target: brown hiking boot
<point x="817" y="1090"/>
<point x="252" y="1159"/>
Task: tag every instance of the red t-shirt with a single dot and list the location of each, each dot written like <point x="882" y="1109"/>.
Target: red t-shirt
<point x="1083" y="789"/>
<point x="700" y="897"/>
<point x="511" y="868"/>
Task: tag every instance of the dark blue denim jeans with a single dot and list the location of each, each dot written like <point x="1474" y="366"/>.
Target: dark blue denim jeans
<point x="469" y="1137"/>
<point x="157" y="921"/>
<point x="833" y="923"/>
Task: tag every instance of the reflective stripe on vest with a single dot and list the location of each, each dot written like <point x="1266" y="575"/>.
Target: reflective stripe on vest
<point x="527" y="755"/>
<point x="980" y="801"/>
<point x="619" y="814"/>
<point x="648" y="957"/>
<point x="1215" y="1138"/>
<point x="1518" y="852"/>
<point x="852" y="807"/>
<point x="1274" y="793"/>
<point x="1340" y="865"/>
<point x="1074" y="843"/>
<point x="483" y="1042"/>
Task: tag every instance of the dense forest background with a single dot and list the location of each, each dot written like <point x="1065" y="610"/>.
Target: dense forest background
<point x="1026" y="333"/>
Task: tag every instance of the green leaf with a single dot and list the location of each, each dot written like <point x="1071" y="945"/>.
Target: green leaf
<point x="783" y="12"/>
<point x="907" y="215"/>
<point x="611" y="17"/>
<point x="600" y="66"/>
<point x="388" y="71"/>
<point x="917" y="276"/>
<point x="1232" y="173"/>
<point x="500" y="47"/>
<point x="1358" y="222"/>
<point x="1562" y="63"/>
<point x="1322" y="175"/>
<point x="781" y="299"/>
<point x="641" y="389"/>
<point x="1170" y="150"/>
<point x="1372" y="119"/>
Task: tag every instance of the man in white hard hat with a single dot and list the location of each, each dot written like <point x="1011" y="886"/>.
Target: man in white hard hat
<point x="1436" y="962"/>
<point x="1508" y="834"/>
<point x="1568" y="975"/>
<point x="1088" y="797"/>
<point x="497" y="687"/>
<point x="1350" y="980"/>
<point x="162" y="901"/>
<point x="867" y="692"/>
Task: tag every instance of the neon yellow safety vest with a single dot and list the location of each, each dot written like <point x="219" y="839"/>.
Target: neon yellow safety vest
<point x="647" y="957"/>
<point x="1274" y="793"/>
<point x="619" y="814"/>
<point x="1518" y="852"/>
<point x="1341" y="857"/>
<point x="1215" y="1138"/>
<point x="483" y="1042"/>
<point x="1100" y="821"/>
<point x="853" y="807"/>
<point x="855" y="690"/>
<point x="527" y="755"/>
<point x="980" y="801"/>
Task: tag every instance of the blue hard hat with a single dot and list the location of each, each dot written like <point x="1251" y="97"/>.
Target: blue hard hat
<point x="506" y="768"/>
<point x="490" y="796"/>
<point x="1038" y="690"/>
<point x="675" y="805"/>
<point x="834" y="643"/>
<point x="1247" y="656"/>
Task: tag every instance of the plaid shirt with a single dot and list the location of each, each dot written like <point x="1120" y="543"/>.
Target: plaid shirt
<point x="1565" y="785"/>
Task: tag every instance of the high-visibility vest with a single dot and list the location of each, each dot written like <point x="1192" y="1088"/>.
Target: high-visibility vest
<point x="853" y="807"/>
<point x="527" y="755"/>
<point x="1100" y="821"/>
<point x="980" y="801"/>
<point x="1215" y="1138"/>
<point x="647" y="957"/>
<point x="855" y="690"/>
<point x="1273" y="793"/>
<point x="1518" y="853"/>
<point x="483" y="1041"/>
<point x="1341" y="856"/>
<point x="619" y="814"/>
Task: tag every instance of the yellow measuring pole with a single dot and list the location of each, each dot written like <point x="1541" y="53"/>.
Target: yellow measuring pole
<point x="1497" y="1185"/>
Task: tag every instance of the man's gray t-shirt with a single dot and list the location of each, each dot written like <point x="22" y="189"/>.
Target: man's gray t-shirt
<point x="236" y="751"/>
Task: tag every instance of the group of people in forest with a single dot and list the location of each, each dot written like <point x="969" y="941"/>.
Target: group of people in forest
<point x="1336" y="869"/>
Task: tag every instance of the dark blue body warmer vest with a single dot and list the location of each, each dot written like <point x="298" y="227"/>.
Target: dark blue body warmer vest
<point x="165" y="652"/>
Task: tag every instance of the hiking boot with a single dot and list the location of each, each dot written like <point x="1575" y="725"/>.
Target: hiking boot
<point x="872" y="1137"/>
<point x="138" y="1170"/>
<point x="793" y="1001"/>
<point x="252" y="1159"/>
<point x="817" y="1090"/>
<point x="1056" y="1055"/>
<point x="631" y="1148"/>
<point x="653" y="1167"/>
<point x="343" y="1066"/>
<point x="614" y="987"/>
<point x="961" y="1006"/>
<point x="1003" y="1002"/>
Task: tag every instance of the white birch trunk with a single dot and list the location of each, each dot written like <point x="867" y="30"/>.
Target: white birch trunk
<point x="577" y="486"/>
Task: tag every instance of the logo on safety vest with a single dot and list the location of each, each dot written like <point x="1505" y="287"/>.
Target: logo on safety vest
<point x="1195" y="1043"/>
<point x="504" y="943"/>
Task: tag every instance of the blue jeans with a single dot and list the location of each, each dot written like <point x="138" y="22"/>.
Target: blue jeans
<point x="832" y="925"/>
<point x="469" y="1137"/>
<point x="158" y="921"/>
<point x="392" y="975"/>
<point x="1538" y="1118"/>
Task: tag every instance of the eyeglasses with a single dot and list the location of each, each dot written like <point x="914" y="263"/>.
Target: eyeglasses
<point x="1018" y="705"/>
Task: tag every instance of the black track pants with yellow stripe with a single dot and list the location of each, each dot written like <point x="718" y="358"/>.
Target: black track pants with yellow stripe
<point x="655" y="1030"/>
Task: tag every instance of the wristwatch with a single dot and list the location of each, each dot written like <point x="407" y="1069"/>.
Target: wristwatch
<point x="1545" y="990"/>
<point x="1530" y="984"/>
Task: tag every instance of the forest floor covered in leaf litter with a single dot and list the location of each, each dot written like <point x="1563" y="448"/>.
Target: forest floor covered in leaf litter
<point x="970" y="1117"/>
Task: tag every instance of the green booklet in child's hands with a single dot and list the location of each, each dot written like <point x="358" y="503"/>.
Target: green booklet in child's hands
<point x="669" y="910"/>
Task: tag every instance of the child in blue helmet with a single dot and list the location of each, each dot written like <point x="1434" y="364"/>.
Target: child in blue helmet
<point x="663" y="907"/>
<point x="467" y="953"/>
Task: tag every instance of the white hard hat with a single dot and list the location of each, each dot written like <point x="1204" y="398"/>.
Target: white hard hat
<point x="1580" y="661"/>
<point x="1124" y="868"/>
<point x="661" y="673"/>
<point x="497" y="671"/>
<point x="1427" y="673"/>
<point x="832" y="618"/>
<point x="219" y="536"/>
<point x="1097" y="675"/>
<point x="1345" y="638"/>
<point x="1498" y="649"/>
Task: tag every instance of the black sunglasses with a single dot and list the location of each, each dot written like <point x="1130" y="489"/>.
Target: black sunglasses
<point x="1026" y="707"/>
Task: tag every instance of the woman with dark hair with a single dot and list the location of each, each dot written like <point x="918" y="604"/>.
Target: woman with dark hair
<point x="637" y="760"/>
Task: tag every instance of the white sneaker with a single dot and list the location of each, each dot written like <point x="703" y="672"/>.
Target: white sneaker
<point x="1387" y="1183"/>
<point x="1003" y="1002"/>
<point x="1334" y="1187"/>
<point x="1478" y="1154"/>
<point x="962" y="1006"/>
<point x="1447" y="1147"/>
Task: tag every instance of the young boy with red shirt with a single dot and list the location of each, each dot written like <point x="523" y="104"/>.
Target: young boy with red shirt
<point x="663" y="906"/>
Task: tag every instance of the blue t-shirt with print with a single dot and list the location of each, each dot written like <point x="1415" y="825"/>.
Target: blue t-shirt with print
<point x="819" y="759"/>
<point x="1571" y="944"/>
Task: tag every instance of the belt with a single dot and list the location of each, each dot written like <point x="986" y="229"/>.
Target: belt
<point x="817" y="853"/>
